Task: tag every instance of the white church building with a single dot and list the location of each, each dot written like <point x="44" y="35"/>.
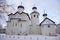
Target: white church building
<point x="20" y="23"/>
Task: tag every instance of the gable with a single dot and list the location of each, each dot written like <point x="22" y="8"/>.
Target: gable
<point x="27" y="15"/>
<point x="47" y="21"/>
<point x="17" y="14"/>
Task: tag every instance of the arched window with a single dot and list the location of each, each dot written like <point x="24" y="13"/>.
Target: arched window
<point x="37" y="16"/>
<point x="26" y="34"/>
<point x="13" y="23"/>
<point x="31" y="16"/>
<point x="34" y="15"/>
<point x="48" y="26"/>
<point x="16" y="24"/>
<point x="18" y="34"/>
<point x="21" y="24"/>
<point x="49" y="34"/>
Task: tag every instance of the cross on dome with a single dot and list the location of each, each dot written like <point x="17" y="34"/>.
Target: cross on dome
<point x="44" y="13"/>
<point x="20" y="6"/>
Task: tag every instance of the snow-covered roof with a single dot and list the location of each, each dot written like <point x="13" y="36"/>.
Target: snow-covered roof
<point x="48" y="19"/>
<point x="20" y="13"/>
<point x="35" y="12"/>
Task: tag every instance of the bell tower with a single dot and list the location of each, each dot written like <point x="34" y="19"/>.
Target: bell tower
<point x="34" y="16"/>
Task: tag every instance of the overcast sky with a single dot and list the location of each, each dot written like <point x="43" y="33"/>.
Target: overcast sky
<point x="51" y="7"/>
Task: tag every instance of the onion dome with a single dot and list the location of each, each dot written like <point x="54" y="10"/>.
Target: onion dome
<point x="34" y="8"/>
<point x="44" y="14"/>
<point x="21" y="6"/>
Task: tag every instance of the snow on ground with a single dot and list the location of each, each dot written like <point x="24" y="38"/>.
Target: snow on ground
<point x="28" y="37"/>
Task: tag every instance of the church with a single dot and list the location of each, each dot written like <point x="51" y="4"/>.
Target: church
<point x="20" y="23"/>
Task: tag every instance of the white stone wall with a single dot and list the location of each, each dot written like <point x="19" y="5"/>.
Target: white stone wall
<point x="34" y="20"/>
<point x="18" y="27"/>
<point x="58" y="29"/>
<point x="48" y="30"/>
<point x="35" y="30"/>
<point x="47" y="22"/>
<point x="15" y="27"/>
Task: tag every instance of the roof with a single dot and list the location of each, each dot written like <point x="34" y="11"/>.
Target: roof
<point x="20" y="14"/>
<point x="13" y="14"/>
<point x="44" y="14"/>
<point x="48" y="19"/>
<point x="21" y="6"/>
<point x="35" y="12"/>
<point x="10" y="14"/>
<point x="34" y="8"/>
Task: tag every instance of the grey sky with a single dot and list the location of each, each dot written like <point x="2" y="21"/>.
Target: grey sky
<point x="51" y="7"/>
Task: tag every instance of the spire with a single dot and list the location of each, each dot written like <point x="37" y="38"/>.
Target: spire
<point x="34" y="5"/>
<point x="34" y="8"/>
<point x="44" y="11"/>
<point x="21" y="3"/>
<point x="44" y="15"/>
<point x="20" y="6"/>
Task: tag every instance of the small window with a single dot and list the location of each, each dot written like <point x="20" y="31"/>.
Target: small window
<point x="48" y="26"/>
<point x="49" y="34"/>
<point x="37" y="16"/>
<point x="18" y="34"/>
<point x="34" y="15"/>
<point x="26" y="34"/>
<point x="3" y="32"/>
<point x="16" y="24"/>
<point x="0" y="29"/>
<point x="13" y="24"/>
<point x="19" y="19"/>
<point x="31" y="16"/>
<point x="21" y="25"/>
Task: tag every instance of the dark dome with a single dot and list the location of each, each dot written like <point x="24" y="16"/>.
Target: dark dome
<point x="34" y="8"/>
<point x="21" y="6"/>
<point x="44" y="14"/>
